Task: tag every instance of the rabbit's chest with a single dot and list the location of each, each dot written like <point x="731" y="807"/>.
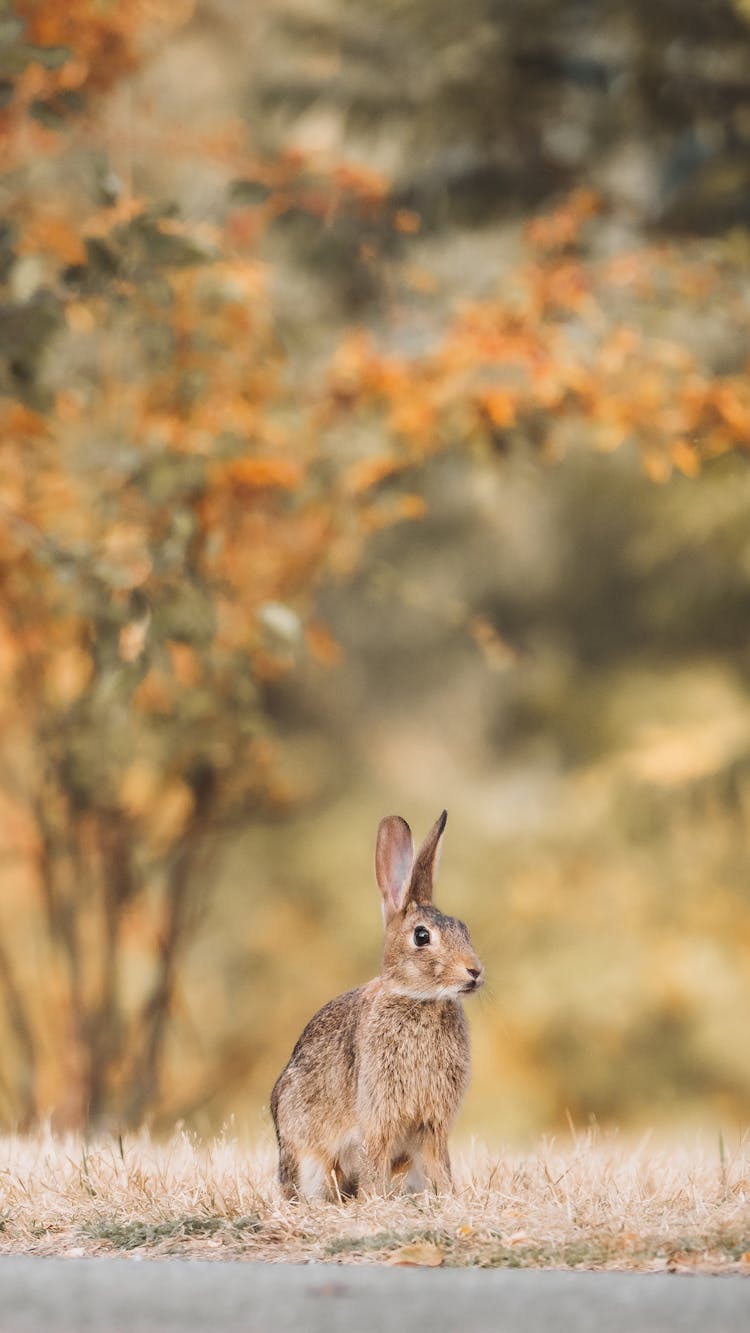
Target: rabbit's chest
<point x="414" y="1062"/>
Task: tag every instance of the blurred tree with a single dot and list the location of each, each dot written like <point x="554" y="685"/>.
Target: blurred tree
<point x="576" y="347"/>
<point x="589" y="330"/>
<point x="484" y="112"/>
<point x="173" y="491"/>
<point x="161" y="533"/>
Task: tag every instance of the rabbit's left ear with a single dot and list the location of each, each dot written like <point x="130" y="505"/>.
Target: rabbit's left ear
<point x="426" y="865"/>
<point x="394" y="857"/>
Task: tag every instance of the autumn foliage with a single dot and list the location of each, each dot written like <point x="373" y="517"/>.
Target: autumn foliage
<point x="173" y="491"/>
<point x="570" y="351"/>
<point x="163" y="524"/>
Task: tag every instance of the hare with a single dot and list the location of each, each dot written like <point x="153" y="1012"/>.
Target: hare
<point x="374" y="1082"/>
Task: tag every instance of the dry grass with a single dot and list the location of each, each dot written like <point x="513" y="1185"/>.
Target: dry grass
<point x="594" y="1203"/>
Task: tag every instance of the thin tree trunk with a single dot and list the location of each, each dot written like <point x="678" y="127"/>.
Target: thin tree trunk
<point x="115" y="876"/>
<point x="21" y="1029"/>
<point x="144" y="1082"/>
<point x="61" y="923"/>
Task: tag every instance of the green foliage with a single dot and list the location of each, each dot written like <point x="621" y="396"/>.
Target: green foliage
<point x="135" y="1235"/>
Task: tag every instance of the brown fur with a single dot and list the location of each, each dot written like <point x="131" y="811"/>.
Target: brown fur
<point x="375" y="1080"/>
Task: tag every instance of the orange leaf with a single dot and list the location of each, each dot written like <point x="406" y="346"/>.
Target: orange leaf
<point x="138" y="788"/>
<point x="322" y="645"/>
<point x="498" y="654"/>
<point x="260" y="473"/>
<point x="369" y="472"/>
<point x="103" y="222"/>
<point x="685" y="458"/>
<point x="361" y="181"/>
<point x="185" y="664"/>
<point x="733" y="403"/>
<point x="562" y="227"/>
<point x="411" y="506"/>
<point x="22" y="421"/>
<point x="499" y="406"/>
<point x="68" y="673"/>
<point x="413" y="418"/>
<point x="54" y="235"/>
<point x="170" y="812"/>
<point x="407" y="221"/>
<point x="152" y="694"/>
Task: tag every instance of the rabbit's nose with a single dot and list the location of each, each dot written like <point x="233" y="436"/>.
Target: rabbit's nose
<point x="475" y="975"/>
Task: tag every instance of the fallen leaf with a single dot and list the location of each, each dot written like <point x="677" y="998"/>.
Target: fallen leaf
<point x="422" y="1254"/>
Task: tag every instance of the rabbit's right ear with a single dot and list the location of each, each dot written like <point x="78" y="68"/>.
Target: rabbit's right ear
<point x="394" y="858"/>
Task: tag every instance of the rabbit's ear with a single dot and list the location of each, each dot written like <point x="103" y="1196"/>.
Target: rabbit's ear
<point x="394" y="857"/>
<point x="425" y="867"/>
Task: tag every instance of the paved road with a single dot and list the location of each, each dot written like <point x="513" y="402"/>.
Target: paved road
<point x="122" y="1296"/>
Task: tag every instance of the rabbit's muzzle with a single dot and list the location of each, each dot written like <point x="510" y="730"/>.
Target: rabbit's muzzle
<point x="474" y="981"/>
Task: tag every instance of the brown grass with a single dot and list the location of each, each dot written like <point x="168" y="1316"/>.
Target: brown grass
<point x="592" y="1203"/>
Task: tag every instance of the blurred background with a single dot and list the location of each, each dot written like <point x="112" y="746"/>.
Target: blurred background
<point x="374" y="417"/>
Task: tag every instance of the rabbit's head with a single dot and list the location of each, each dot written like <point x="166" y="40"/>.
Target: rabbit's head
<point x="427" y="955"/>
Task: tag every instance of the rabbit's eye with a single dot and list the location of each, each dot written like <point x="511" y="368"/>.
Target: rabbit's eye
<point x="421" y="936"/>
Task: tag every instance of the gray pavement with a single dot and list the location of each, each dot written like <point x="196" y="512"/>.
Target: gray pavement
<point x="124" y="1296"/>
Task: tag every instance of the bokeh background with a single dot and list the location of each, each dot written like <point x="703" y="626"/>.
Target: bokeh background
<point x="374" y="420"/>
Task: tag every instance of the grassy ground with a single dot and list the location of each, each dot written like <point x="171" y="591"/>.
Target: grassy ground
<point x="593" y="1203"/>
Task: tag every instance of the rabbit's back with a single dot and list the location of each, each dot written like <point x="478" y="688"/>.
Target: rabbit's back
<point x="317" y="1090"/>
